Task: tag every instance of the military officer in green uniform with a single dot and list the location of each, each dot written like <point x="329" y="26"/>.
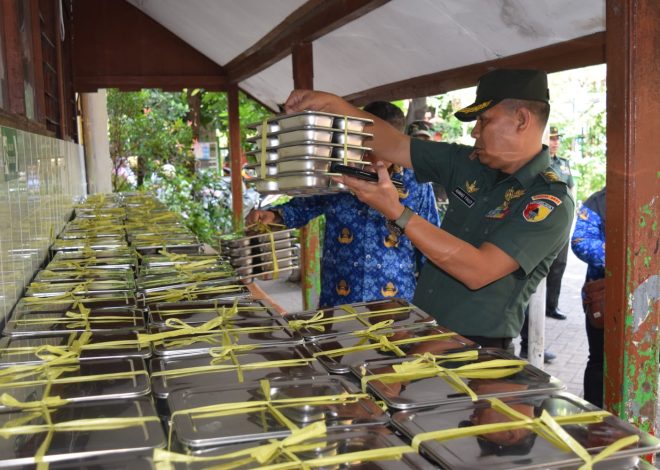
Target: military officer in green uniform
<point x="509" y="212"/>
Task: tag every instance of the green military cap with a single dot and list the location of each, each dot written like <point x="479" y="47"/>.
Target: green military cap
<point x="501" y="84"/>
<point x="554" y="131"/>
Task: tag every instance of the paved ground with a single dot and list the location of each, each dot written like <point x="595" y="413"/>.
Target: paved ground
<point x="565" y="338"/>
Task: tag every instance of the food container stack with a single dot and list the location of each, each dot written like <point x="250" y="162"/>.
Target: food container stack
<point x="260" y="252"/>
<point x="293" y="154"/>
<point x="73" y="376"/>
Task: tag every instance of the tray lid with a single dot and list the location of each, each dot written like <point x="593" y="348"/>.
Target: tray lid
<point x="520" y="448"/>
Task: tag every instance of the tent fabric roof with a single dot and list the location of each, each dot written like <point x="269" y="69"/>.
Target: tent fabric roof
<point x="399" y="40"/>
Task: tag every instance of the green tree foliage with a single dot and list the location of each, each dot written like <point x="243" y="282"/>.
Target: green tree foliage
<point x="154" y="126"/>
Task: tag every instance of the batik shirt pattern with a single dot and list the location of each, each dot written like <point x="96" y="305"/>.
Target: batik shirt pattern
<point x="588" y="240"/>
<point x="362" y="260"/>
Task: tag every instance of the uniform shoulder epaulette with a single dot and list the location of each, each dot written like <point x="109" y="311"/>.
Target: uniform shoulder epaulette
<point x="552" y="176"/>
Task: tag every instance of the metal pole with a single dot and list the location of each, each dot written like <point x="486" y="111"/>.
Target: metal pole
<point x="536" y="330"/>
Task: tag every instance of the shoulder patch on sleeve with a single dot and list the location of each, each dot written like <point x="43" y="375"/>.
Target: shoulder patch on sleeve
<point x="536" y="211"/>
<point x="548" y="197"/>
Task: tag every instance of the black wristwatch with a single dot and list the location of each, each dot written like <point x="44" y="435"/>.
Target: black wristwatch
<point x="398" y="226"/>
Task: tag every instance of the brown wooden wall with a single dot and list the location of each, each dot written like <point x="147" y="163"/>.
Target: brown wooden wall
<point x="36" y="92"/>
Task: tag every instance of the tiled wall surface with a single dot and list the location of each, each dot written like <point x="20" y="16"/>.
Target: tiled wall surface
<point x="40" y="179"/>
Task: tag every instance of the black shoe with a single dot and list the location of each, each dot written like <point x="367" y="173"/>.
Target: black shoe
<point x="548" y="356"/>
<point x="556" y="314"/>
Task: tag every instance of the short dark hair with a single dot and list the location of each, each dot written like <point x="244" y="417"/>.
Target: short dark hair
<point x="387" y="112"/>
<point x="538" y="108"/>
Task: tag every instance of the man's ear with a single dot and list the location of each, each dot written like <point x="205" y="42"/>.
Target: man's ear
<point x="523" y="118"/>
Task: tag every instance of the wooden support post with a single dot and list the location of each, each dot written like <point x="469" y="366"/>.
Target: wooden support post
<point x="632" y="309"/>
<point x="235" y="152"/>
<point x="310" y="234"/>
<point x="38" y="62"/>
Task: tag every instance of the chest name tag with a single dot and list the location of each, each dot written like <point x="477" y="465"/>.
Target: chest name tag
<point x="463" y="196"/>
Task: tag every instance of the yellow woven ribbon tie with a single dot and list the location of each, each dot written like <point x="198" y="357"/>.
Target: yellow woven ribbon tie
<point x="380" y="344"/>
<point x="545" y="426"/>
<point x="318" y="321"/>
<point x="191" y="292"/>
<point x="427" y="366"/>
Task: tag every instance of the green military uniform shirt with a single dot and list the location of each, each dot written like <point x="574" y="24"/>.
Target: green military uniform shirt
<point x="563" y="167"/>
<point x="528" y="215"/>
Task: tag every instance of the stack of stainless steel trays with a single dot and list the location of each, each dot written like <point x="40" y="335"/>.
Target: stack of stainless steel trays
<point x="419" y="381"/>
<point x="339" y="352"/>
<point x="251" y="411"/>
<point x="261" y="254"/>
<point x="229" y="370"/>
<point x="293" y="153"/>
<point x="79" y="431"/>
<point x="526" y="444"/>
<point x="373" y="447"/>
<point x="348" y="319"/>
<point x="244" y="334"/>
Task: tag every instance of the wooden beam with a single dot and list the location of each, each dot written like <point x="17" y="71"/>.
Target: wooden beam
<point x="580" y="52"/>
<point x="89" y="84"/>
<point x="314" y="19"/>
<point x="235" y="152"/>
<point x="632" y="281"/>
<point x="117" y="45"/>
<point x="14" y="58"/>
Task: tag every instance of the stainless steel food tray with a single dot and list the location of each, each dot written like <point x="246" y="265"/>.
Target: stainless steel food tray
<point x="200" y="344"/>
<point x="437" y="390"/>
<point x="194" y="430"/>
<point x="79" y="288"/>
<point x="267" y="266"/>
<point x="303" y="163"/>
<point x="15" y="351"/>
<point x="235" y="240"/>
<point x="44" y="324"/>
<point x="92" y="380"/>
<point x="312" y="118"/>
<point x="311" y="133"/>
<point x="264" y="256"/>
<point x="299" y="182"/>
<point x="257" y="249"/>
<point x="89" y="243"/>
<point x="72" y="275"/>
<point x="83" y="440"/>
<point x="359" y="316"/>
<point x="523" y="450"/>
<point x="311" y="149"/>
<point x="198" y="372"/>
<point x="334" y="444"/>
<point x="120" y="252"/>
<point x="46" y="305"/>
<point x="428" y="339"/>
<point x="201" y="312"/>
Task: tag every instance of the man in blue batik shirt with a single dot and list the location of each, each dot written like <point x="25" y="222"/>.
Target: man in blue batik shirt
<point x="362" y="259"/>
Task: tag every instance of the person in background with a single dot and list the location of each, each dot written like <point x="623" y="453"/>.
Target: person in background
<point x="509" y="212"/>
<point x="420" y="130"/>
<point x="553" y="287"/>
<point x="558" y="266"/>
<point x="362" y="258"/>
<point x="588" y="244"/>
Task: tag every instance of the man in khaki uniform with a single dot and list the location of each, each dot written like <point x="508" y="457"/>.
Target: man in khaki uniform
<point x="509" y="212"/>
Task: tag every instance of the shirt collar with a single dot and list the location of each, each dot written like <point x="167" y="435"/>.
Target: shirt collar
<point x="532" y="168"/>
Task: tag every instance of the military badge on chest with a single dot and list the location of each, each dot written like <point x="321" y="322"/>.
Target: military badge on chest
<point x="503" y="209"/>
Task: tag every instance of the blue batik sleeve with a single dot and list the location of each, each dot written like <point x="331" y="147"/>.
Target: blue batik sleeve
<point x="300" y="210"/>
<point x="588" y="242"/>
